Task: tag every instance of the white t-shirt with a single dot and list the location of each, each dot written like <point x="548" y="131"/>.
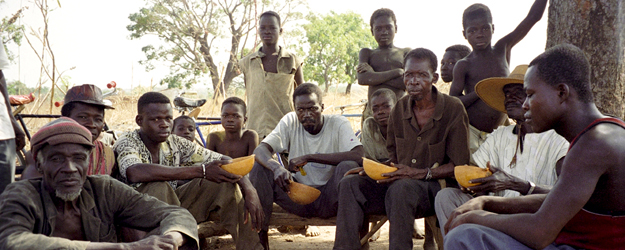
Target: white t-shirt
<point x="335" y="136"/>
<point x="6" y="127"/>
<point x="537" y="163"/>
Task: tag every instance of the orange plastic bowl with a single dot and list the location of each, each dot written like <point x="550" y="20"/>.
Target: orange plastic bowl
<point x="240" y="166"/>
<point x="303" y="194"/>
<point x="376" y="169"/>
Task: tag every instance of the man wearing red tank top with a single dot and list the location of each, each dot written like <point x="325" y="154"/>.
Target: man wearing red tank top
<point x="586" y="207"/>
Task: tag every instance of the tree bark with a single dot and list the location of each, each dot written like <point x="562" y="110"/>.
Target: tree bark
<point x="598" y="28"/>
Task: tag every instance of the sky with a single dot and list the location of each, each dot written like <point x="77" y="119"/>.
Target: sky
<point x="92" y="36"/>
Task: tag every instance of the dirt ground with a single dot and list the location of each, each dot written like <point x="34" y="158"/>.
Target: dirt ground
<point x="297" y="240"/>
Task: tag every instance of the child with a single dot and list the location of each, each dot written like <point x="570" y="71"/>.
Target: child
<point x="235" y="141"/>
<point x="452" y="55"/>
<point x="484" y="62"/>
<point x="184" y="126"/>
<point x="382" y="67"/>
<point x="270" y="74"/>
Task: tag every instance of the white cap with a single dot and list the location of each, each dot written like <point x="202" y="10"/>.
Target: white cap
<point x="4" y="60"/>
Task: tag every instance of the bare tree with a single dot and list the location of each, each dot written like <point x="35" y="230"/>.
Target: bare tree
<point x="598" y="28"/>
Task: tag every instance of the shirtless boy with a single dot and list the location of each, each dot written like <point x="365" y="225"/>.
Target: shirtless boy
<point x="382" y="67"/>
<point x="184" y="127"/>
<point x="486" y="61"/>
<point x="235" y="141"/>
<point x="452" y="55"/>
<point x="586" y="207"/>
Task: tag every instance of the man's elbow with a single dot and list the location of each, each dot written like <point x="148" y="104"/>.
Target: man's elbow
<point x="133" y="174"/>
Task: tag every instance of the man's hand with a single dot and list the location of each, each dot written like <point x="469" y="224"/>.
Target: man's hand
<point x="282" y="178"/>
<point x="215" y="173"/>
<point x="253" y="210"/>
<point x="499" y="180"/>
<point x="359" y="171"/>
<point x="471" y="205"/>
<point x="297" y="162"/>
<point x="169" y="241"/>
<point x="464" y="218"/>
<point x="404" y="172"/>
<point x="364" y="67"/>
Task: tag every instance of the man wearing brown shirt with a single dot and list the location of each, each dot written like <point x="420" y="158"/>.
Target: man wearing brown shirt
<point x="426" y="129"/>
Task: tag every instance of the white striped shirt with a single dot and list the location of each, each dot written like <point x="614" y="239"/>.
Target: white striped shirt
<point x="537" y="163"/>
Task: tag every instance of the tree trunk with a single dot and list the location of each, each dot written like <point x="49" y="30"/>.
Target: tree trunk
<point x="348" y="90"/>
<point x="598" y="28"/>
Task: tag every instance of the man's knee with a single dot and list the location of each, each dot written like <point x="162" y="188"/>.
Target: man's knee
<point x="463" y="237"/>
<point x="445" y="196"/>
<point x="345" y="166"/>
<point x="402" y="188"/>
<point x="260" y="174"/>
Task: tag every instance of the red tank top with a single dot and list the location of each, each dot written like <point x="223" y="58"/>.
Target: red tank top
<point x="591" y="230"/>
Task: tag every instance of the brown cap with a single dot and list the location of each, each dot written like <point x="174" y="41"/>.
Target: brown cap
<point x="86" y="93"/>
<point x="62" y="130"/>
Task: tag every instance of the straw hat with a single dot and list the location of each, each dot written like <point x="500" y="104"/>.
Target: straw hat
<point x="490" y="90"/>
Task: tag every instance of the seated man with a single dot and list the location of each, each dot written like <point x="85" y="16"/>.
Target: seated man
<point x="153" y="160"/>
<point x="585" y="208"/>
<point x="322" y="148"/>
<point x="66" y="209"/>
<point x="184" y="126"/>
<point x="84" y="104"/>
<point x="234" y="141"/>
<point x="425" y="129"/>
<point x="522" y="162"/>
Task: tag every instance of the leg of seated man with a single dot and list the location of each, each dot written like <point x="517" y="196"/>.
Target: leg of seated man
<point x="358" y="196"/>
<point x="160" y="190"/>
<point x="201" y="197"/>
<point x="402" y="212"/>
<point x="472" y="236"/>
<point x="446" y="201"/>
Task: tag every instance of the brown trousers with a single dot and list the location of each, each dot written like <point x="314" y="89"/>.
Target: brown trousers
<point x="205" y="200"/>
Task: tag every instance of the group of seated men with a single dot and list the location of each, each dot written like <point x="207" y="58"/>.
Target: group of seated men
<point x="71" y="206"/>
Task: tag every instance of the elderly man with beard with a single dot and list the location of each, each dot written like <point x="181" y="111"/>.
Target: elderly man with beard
<point x="522" y="162"/>
<point x="322" y="148"/>
<point x="66" y="209"/>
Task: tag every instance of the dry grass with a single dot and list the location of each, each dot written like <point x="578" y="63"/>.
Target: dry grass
<point x="122" y="118"/>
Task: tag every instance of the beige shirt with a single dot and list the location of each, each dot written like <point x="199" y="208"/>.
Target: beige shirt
<point x="269" y="95"/>
<point x="372" y="141"/>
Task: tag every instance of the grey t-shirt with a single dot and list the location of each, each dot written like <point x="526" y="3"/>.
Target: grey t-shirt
<point x="335" y="136"/>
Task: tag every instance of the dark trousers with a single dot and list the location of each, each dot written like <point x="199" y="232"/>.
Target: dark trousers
<point x="269" y="192"/>
<point x="7" y="162"/>
<point x="402" y="201"/>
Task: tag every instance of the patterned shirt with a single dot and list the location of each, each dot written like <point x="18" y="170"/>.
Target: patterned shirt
<point x="175" y="152"/>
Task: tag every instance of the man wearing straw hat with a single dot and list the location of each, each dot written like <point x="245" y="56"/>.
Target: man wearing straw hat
<point x="67" y="209"/>
<point x="522" y="162"/>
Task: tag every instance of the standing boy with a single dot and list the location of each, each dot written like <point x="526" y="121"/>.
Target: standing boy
<point x="234" y="141"/>
<point x="452" y="55"/>
<point x="271" y="74"/>
<point x="382" y="67"/>
<point x="484" y="62"/>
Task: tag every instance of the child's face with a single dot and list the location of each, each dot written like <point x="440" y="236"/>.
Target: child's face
<point x="479" y="33"/>
<point x="269" y="29"/>
<point x="383" y="30"/>
<point x="232" y="117"/>
<point x="381" y="106"/>
<point x="447" y="65"/>
<point x="185" y="128"/>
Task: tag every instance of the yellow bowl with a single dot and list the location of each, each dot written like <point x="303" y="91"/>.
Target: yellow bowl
<point x="465" y="173"/>
<point x="375" y="169"/>
<point x="303" y="194"/>
<point x="240" y="166"/>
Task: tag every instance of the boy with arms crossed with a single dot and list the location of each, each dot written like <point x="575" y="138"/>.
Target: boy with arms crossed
<point x="235" y="141"/>
<point x="484" y="62"/>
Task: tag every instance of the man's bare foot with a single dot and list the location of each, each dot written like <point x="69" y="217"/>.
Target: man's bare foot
<point x="312" y="231"/>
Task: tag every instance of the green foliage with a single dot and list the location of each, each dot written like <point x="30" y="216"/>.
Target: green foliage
<point x="11" y="31"/>
<point x="335" y="41"/>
